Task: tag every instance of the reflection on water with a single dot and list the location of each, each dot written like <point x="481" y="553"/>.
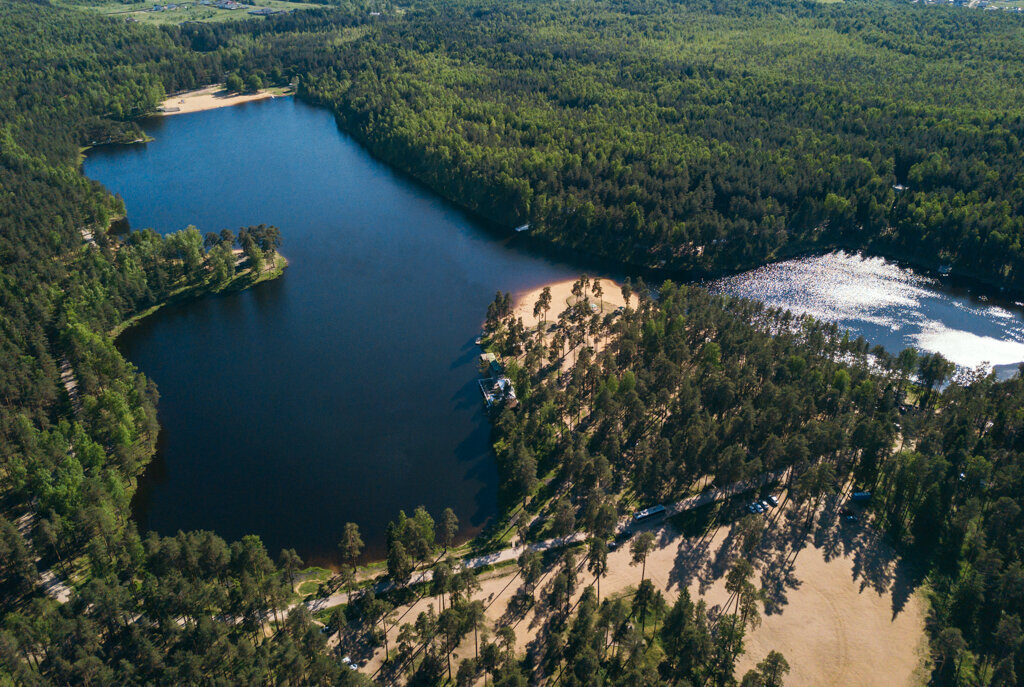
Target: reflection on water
<point x="889" y="305"/>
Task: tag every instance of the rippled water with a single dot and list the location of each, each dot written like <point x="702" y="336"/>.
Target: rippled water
<point x="890" y="305"/>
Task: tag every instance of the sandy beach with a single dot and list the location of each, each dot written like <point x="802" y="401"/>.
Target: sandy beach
<point x="561" y="296"/>
<point x="209" y="98"/>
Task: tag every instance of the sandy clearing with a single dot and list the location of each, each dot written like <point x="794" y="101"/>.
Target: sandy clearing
<point x="561" y="293"/>
<point x="837" y="628"/>
<point x="208" y="98"/>
<point x="837" y="625"/>
<point x="847" y="613"/>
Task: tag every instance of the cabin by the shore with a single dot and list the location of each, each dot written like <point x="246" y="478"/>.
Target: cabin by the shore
<point x="496" y="387"/>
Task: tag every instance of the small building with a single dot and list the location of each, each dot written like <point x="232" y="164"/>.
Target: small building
<point x="489" y="362"/>
<point x="498" y="390"/>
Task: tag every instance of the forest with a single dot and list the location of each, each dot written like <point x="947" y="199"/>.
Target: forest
<point x="688" y="385"/>
<point x="707" y="137"/>
<point x="694" y="137"/>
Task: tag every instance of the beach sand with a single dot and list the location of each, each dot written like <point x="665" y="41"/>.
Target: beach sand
<point x="561" y="294"/>
<point x="208" y="98"/>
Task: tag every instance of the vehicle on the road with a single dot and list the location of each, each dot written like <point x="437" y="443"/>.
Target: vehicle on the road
<point x="649" y="513"/>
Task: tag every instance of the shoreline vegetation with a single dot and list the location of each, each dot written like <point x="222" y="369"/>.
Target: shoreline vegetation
<point x="239" y="282"/>
<point x="836" y="596"/>
<point x="214" y="97"/>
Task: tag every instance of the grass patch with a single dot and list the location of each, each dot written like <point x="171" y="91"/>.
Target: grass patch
<point x="309" y="587"/>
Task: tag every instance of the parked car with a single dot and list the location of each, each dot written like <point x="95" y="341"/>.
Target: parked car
<point x="772" y="500"/>
<point x="765" y="504"/>
<point x="750" y="507"/>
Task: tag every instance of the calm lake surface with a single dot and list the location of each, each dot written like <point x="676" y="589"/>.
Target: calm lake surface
<point x="890" y="305"/>
<point x="345" y="390"/>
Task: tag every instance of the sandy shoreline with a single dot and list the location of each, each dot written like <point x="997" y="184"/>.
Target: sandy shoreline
<point x="209" y="98"/>
<point x="561" y="293"/>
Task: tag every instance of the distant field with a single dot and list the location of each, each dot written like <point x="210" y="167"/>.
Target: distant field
<point x="143" y="11"/>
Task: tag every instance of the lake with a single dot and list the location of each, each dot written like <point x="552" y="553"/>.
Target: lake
<point x="892" y="306"/>
<point x="344" y="391"/>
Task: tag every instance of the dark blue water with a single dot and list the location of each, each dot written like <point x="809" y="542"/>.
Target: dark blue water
<point x="343" y="391"/>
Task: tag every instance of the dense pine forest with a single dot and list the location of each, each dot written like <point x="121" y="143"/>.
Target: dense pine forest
<point x="700" y="137"/>
<point x="707" y="136"/>
<point x="690" y="385"/>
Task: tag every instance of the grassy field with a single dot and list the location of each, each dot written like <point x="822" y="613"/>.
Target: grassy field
<point x="142" y="11"/>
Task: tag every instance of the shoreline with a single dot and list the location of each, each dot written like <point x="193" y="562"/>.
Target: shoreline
<point x="240" y="282"/>
<point x="212" y="98"/>
<point x="960" y="276"/>
<point x="561" y="293"/>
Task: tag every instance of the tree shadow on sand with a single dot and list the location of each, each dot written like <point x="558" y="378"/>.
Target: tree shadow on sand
<point x="876" y="565"/>
<point x="690" y="557"/>
<point x="777" y="579"/>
